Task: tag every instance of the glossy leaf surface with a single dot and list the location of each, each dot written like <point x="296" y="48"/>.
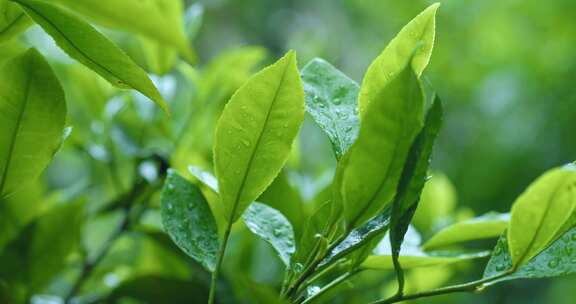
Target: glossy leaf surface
<point x="373" y="165"/>
<point x="269" y="224"/>
<point x="32" y="112"/>
<point x="556" y="260"/>
<point x="187" y="218"/>
<point x="255" y="132"/>
<point x="85" y="44"/>
<point x="417" y="34"/>
<point x="540" y="214"/>
<point x="331" y="99"/>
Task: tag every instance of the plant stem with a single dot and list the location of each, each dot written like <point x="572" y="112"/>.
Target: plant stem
<point x="219" y="260"/>
<point x="332" y="284"/>
<point x="466" y="287"/>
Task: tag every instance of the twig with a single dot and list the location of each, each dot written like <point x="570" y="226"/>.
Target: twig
<point x="89" y="264"/>
<point x="466" y="287"/>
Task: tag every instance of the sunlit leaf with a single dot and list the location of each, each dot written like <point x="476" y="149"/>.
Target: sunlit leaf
<point x="372" y="167"/>
<point x="540" y="214"/>
<point x="32" y="112"/>
<point x="269" y="224"/>
<point x="13" y="20"/>
<point x="187" y="218"/>
<point x="85" y="44"/>
<point x="487" y="226"/>
<point x="331" y="100"/>
<point x="255" y="133"/>
<point x="160" y="20"/>
<point x="417" y="34"/>
<point x="384" y="262"/>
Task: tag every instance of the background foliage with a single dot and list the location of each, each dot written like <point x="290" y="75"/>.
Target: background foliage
<point x="503" y="68"/>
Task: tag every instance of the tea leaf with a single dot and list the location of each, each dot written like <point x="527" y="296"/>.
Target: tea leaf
<point x="331" y="101"/>
<point x="487" y="226"/>
<point x="13" y="20"/>
<point x="541" y="212"/>
<point x="361" y="237"/>
<point x="417" y="34"/>
<point x="372" y="167"/>
<point x="384" y="262"/>
<point x="255" y="133"/>
<point x="187" y="218"/>
<point x="556" y="260"/>
<point x="269" y="224"/>
<point x="32" y="111"/>
<point x="85" y="44"/>
<point x="160" y="20"/>
<point x="412" y="182"/>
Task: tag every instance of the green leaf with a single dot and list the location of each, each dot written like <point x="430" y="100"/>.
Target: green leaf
<point x="187" y="218"/>
<point x="556" y="260"/>
<point x="269" y="224"/>
<point x="540" y="214"/>
<point x="160" y="20"/>
<point x="85" y="44"/>
<point x="331" y="101"/>
<point x="490" y="225"/>
<point x="412" y="255"/>
<point x="13" y="20"/>
<point x="42" y="249"/>
<point x="412" y="182"/>
<point x="417" y="34"/>
<point x="384" y="262"/>
<point x="361" y="237"/>
<point x="372" y="167"/>
<point x="32" y="111"/>
<point x="255" y="133"/>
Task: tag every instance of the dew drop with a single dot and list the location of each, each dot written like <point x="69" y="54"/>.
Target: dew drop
<point x="337" y="101"/>
<point x="553" y="263"/>
<point x="312" y="290"/>
<point x="500" y="267"/>
<point x="246" y="143"/>
<point x="298" y="267"/>
<point x="573" y="238"/>
<point x="277" y="232"/>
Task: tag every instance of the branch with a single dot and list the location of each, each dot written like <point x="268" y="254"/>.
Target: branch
<point x="466" y="287"/>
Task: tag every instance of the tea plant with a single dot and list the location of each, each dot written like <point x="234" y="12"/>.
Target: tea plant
<point x="358" y="228"/>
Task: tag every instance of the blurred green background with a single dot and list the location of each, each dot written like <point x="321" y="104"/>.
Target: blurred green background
<point x="505" y="70"/>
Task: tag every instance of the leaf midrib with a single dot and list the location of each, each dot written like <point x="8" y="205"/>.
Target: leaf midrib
<point x="540" y="225"/>
<point x="11" y="24"/>
<point x="12" y="145"/>
<point x="74" y="45"/>
<point x="257" y="144"/>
